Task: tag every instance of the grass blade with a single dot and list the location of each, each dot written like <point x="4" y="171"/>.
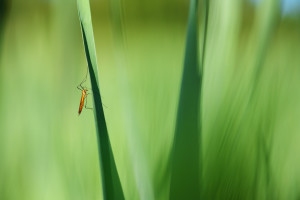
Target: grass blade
<point x="185" y="178"/>
<point x="141" y="177"/>
<point x="111" y="184"/>
<point x="266" y="23"/>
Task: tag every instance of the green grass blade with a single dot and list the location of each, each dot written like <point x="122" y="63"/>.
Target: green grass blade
<point x="142" y="181"/>
<point x="111" y="184"/>
<point x="185" y="178"/>
<point x="266" y="23"/>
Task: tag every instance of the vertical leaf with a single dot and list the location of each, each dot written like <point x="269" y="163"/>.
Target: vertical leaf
<point x="111" y="184"/>
<point x="137" y="154"/>
<point x="185" y="178"/>
<point x="266" y="22"/>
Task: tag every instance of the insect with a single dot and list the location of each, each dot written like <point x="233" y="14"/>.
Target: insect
<point x="84" y="95"/>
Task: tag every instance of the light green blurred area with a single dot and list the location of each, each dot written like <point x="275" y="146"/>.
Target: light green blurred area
<point x="251" y="143"/>
<point x="47" y="151"/>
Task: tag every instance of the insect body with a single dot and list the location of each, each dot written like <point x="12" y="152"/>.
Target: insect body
<point x="83" y="97"/>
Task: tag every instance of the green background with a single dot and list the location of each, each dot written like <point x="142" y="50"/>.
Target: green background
<point x="251" y="99"/>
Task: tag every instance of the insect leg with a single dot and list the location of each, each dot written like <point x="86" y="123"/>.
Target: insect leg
<point x="80" y="87"/>
<point x="102" y="102"/>
<point x="86" y="102"/>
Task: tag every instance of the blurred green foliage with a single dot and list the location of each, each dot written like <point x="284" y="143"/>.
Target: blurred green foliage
<point x="251" y="140"/>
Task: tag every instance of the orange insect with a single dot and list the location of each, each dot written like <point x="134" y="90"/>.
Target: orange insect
<point x="84" y="95"/>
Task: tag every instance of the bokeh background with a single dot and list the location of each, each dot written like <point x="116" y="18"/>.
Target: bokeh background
<point x="251" y="98"/>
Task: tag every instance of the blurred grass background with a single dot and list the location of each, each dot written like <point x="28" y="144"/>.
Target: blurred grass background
<point x="251" y="140"/>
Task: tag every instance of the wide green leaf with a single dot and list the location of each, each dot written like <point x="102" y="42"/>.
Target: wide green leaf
<point x="186" y="168"/>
